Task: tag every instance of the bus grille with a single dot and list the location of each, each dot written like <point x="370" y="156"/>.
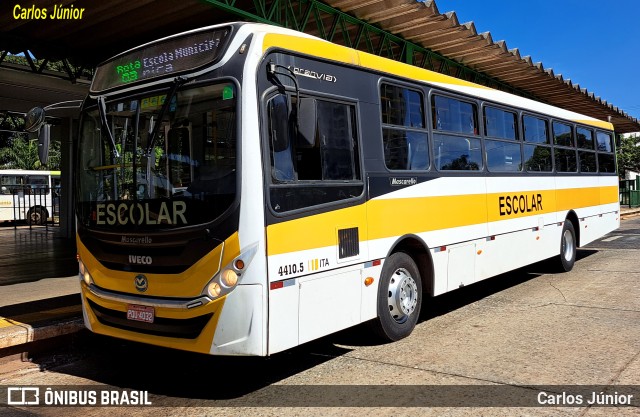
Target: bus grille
<point x="178" y="328"/>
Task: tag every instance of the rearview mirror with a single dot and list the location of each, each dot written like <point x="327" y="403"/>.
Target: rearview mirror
<point x="34" y="119"/>
<point x="44" y="139"/>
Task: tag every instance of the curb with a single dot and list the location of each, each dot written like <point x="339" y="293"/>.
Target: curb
<point x="15" y="333"/>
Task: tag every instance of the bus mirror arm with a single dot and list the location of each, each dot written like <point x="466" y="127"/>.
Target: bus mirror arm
<point x="271" y="68"/>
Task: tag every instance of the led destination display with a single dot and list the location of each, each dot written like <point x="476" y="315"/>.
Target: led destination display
<point x="160" y="59"/>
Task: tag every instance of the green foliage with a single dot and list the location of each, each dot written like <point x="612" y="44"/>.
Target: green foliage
<point x="629" y="155"/>
<point x="22" y="153"/>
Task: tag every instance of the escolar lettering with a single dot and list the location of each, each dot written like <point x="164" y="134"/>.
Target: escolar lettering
<point x="138" y="213"/>
<point x="523" y="203"/>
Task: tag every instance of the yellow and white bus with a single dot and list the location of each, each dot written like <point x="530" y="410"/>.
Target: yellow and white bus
<point x="242" y="189"/>
<point x="29" y="195"/>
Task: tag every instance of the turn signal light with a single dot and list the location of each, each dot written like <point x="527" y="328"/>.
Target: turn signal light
<point x="368" y="281"/>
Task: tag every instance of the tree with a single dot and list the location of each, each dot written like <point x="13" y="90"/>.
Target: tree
<point x="20" y="154"/>
<point x="629" y="155"/>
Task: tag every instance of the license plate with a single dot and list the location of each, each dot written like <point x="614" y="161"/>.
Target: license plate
<point x="140" y="313"/>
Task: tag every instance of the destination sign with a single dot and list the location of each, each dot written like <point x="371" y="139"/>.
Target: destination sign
<point x="172" y="56"/>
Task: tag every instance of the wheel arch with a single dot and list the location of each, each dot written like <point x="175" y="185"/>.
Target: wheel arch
<point x="573" y="218"/>
<point x="418" y="250"/>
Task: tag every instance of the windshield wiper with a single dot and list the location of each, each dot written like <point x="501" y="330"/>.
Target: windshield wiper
<point x="102" y="108"/>
<point x="177" y="83"/>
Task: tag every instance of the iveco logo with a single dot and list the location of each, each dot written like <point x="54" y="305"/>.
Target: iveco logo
<point x="141" y="283"/>
<point x="140" y="260"/>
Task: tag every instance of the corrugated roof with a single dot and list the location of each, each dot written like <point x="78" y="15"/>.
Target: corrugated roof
<point x="423" y="24"/>
<point x="112" y="26"/>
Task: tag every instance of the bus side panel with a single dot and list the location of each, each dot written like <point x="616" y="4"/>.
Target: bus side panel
<point x="283" y="316"/>
<point x="239" y="330"/>
<point x="328" y="304"/>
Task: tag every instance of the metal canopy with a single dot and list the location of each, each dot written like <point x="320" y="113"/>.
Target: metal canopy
<point x="406" y="30"/>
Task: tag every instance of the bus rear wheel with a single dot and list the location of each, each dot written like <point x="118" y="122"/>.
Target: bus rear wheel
<point x="399" y="298"/>
<point x="568" y="247"/>
<point x="37" y="216"/>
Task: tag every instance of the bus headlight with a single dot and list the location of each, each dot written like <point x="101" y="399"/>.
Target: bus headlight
<point x="83" y="273"/>
<point x="214" y="289"/>
<point x="228" y="278"/>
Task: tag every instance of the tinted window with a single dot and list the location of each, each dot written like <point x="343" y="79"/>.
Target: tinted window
<point x="405" y="140"/>
<point x="401" y="106"/>
<point x="562" y="134"/>
<point x="456" y="153"/>
<point x="585" y="138"/>
<point x="453" y="115"/>
<point x="308" y="171"/>
<point x="537" y="158"/>
<point x="606" y="162"/>
<point x="587" y="162"/>
<point x="535" y="130"/>
<point x="404" y="149"/>
<point x="499" y="123"/>
<point x="566" y="160"/>
<point x="605" y="143"/>
<point x="503" y="156"/>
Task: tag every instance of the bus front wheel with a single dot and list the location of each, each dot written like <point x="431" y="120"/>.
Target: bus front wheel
<point x="568" y="245"/>
<point x="37" y="216"/>
<point x="399" y="297"/>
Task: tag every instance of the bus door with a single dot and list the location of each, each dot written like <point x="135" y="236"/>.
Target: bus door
<point x="316" y="242"/>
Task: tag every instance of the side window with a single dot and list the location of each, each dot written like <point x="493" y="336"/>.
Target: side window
<point x="565" y="152"/>
<point x="503" y="156"/>
<point x="586" y="150"/>
<point x="585" y="138"/>
<point x="499" y="123"/>
<point x="404" y="136"/>
<point x="562" y="134"/>
<point x="315" y="161"/>
<point x="451" y="115"/>
<point x="605" y="142"/>
<point x="535" y="130"/>
<point x="537" y="151"/>
<point x="606" y="157"/>
<point x="455" y="153"/>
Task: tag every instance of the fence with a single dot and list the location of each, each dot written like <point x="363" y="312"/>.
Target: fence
<point x="630" y="192"/>
<point x="37" y="206"/>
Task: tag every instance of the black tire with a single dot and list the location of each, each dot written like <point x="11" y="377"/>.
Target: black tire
<point x="37" y="216"/>
<point x="399" y="298"/>
<point x="568" y="246"/>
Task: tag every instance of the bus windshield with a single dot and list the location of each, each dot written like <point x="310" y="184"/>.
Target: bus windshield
<point x="142" y="166"/>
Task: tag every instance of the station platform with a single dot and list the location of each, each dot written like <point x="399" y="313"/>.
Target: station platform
<point x="39" y="287"/>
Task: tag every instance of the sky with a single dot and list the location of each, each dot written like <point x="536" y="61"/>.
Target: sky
<point x="595" y="44"/>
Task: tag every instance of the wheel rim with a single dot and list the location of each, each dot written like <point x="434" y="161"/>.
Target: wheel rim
<point x="36" y="217"/>
<point x="568" y="245"/>
<point x="403" y="295"/>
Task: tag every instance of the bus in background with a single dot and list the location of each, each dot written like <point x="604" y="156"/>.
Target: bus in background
<point x="242" y="189"/>
<point x="29" y="195"/>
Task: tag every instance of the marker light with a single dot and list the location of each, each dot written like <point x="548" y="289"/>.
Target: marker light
<point x="239" y="264"/>
<point x="229" y="277"/>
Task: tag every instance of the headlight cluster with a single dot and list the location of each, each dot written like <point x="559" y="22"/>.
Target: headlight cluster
<point x="229" y="276"/>
<point x="225" y="281"/>
<point x="83" y="273"/>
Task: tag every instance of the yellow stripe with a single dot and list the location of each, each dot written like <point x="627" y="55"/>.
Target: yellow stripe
<point x="597" y="123"/>
<point x="331" y="51"/>
<point x="396" y="217"/>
